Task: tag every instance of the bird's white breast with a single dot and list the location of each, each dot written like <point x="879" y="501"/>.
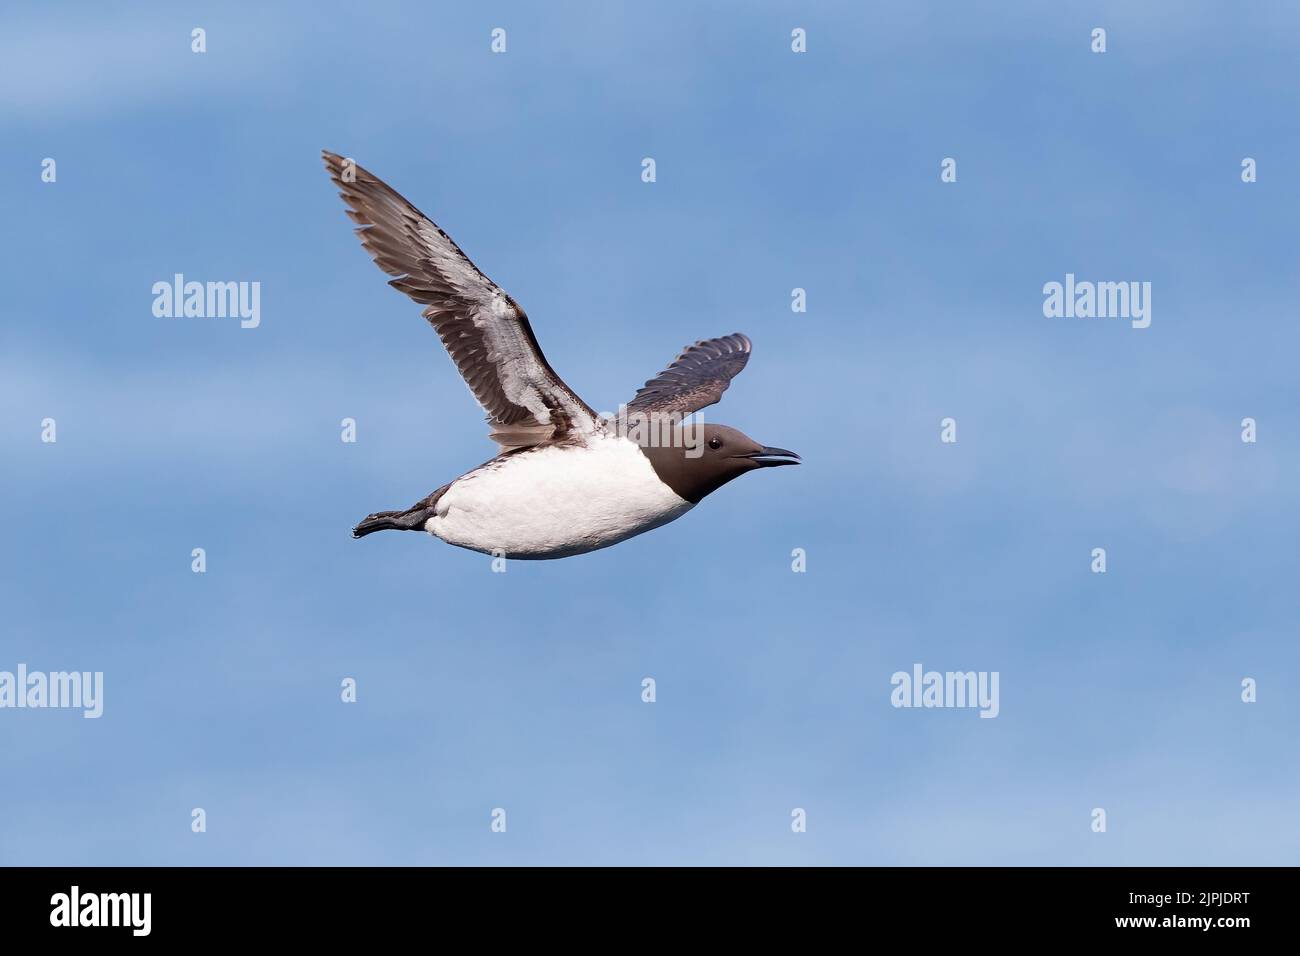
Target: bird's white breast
<point x="555" y="501"/>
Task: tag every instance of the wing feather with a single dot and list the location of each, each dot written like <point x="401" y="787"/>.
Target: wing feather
<point x="696" y="379"/>
<point x="485" y="331"/>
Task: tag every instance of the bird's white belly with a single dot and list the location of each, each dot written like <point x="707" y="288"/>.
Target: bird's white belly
<point x="556" y="501"/>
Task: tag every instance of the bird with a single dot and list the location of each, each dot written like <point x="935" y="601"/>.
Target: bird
<point x="565" y="480"/>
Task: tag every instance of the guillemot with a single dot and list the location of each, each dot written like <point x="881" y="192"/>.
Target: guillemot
<point x="566" y="480"/>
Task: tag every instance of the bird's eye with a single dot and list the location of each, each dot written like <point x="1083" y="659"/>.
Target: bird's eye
<point x="715" y="443"/>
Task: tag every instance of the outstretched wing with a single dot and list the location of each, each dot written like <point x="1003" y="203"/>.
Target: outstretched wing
<point x="696" y="379"/>
<point x="485" y="332"/>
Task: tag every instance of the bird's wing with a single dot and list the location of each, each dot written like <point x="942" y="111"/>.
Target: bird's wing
<point x="696" y="379"/>
<point x="485" y="332"/>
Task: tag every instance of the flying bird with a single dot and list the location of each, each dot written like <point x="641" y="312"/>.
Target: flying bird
<point x="565" y="481"/>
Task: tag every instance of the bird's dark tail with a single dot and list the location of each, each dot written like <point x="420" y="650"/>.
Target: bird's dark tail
<point x="390" y="521"/>
<point x="412" y="519"/>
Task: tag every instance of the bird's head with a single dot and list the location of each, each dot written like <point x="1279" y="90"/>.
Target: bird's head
<point x="702" y="458"/>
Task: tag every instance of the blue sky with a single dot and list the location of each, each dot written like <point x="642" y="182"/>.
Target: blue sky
<point x="774" y="171"/>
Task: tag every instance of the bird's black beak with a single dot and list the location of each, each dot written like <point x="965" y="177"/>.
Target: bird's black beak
<point x="771" y="457"/>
